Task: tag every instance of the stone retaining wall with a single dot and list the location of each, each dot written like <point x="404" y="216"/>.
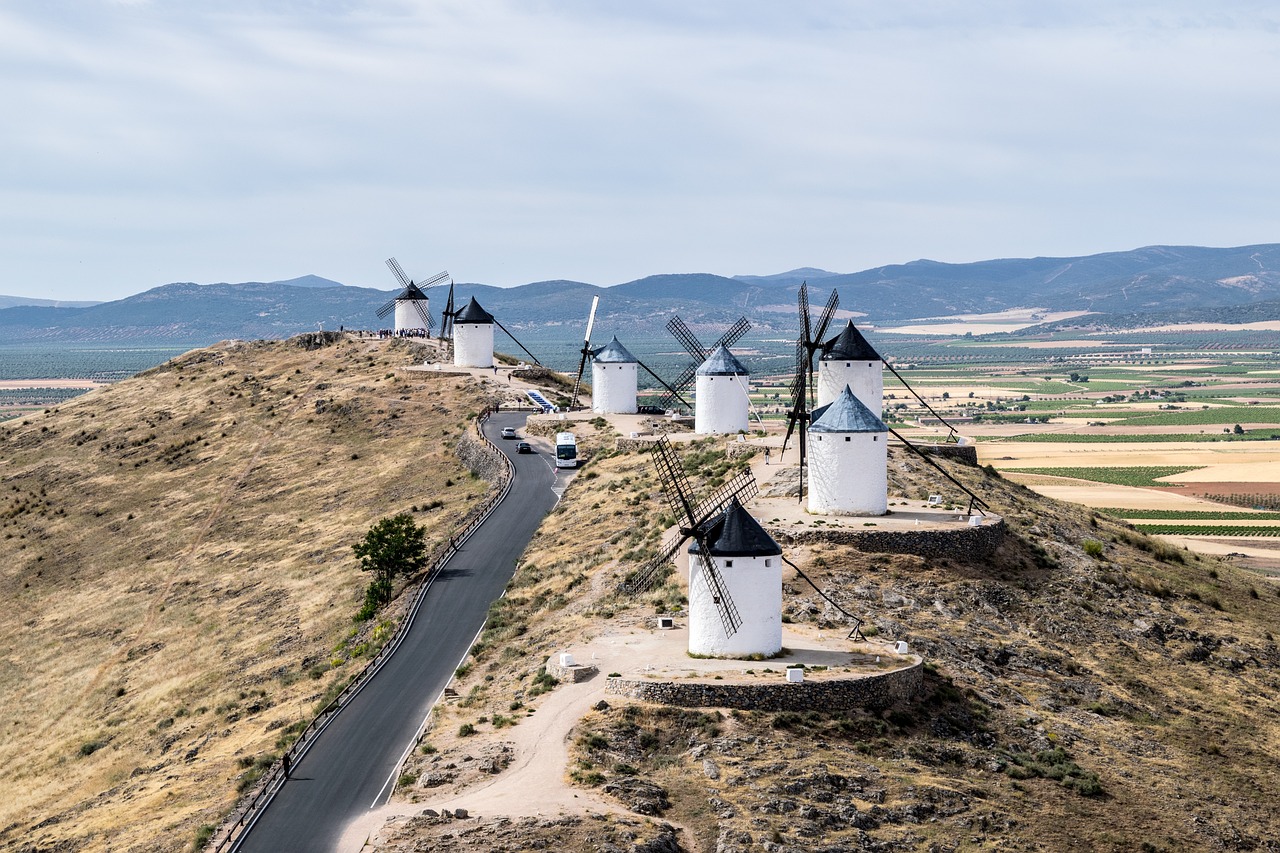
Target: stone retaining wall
<point x="966" y="453"/>
<point x="846" y="694"/>
<point x="965" y="544"/>
<point x="480" y="458"/>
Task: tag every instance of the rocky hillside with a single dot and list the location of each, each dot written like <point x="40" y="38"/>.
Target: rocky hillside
<point x="1088" y="688"/>
<point x="179" y="585"/>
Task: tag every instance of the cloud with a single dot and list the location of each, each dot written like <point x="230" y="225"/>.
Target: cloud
<point x="608" y="140"/>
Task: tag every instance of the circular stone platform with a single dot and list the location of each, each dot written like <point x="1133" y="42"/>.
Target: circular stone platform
<point x="652" y="664"/>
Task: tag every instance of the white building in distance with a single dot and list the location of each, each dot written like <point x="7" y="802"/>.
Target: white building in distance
<point x="613" y="380"/>
<point x="473" y="336"/>
<point x="721" y="405"/>
<point x="847" y="359"/>
<point x="848" y="459"/>
<point x="749" y="563"/>
<point x="411" y="310"/>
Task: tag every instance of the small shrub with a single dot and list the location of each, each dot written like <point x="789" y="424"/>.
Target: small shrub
<point x="466" y="730"/>
<point x="1092" y="547"/>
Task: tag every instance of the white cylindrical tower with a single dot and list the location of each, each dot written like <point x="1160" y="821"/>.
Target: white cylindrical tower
<point x="721" y="405"/>
<point x="847" y="459"/>
<point x="749" y="565"/>
<point x="847" y="359"/>
<point x="473" y="336"/>
<point x="613" y="380"/>
<point x="411" y="311"/>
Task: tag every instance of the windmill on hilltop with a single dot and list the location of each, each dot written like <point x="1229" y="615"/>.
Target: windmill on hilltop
<point x="848" y="472"/>
<point x="698" y="354"/>
<point x="614" y="374"/>
<point x="802" y="384"/>
<point x="735" y="566"/>
<point x="472" y="330"/>
<point x="411" y="305"/>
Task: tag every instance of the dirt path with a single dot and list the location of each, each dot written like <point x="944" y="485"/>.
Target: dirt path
<point x="533" y="785"/>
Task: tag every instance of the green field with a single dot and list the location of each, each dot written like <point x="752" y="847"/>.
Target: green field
<point x="1251" y="531"/>
<point x="1143" y="476"/>
<point x="1197" y="417"/>
<point x="1189" y="514"/>
<point x="1147" y="438"/>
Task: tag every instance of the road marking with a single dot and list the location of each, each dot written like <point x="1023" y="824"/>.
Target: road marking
<point x="422" y="728"/>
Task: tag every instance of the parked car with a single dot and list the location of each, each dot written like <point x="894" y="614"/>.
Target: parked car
<point x="523" y="447"/>
<point x="508" y="432"/>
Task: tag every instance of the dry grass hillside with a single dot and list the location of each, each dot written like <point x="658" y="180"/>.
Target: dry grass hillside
<point x="179" y="586"/>
<point x="1088" y="688"/>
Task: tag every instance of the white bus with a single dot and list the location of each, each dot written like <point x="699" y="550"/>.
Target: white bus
<point x="566" y="450"/>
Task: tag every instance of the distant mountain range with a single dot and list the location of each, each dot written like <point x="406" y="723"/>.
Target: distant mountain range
<point x="1151" y="282"/>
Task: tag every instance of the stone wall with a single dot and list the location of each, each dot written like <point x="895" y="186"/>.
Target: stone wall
<point x="480" y="458"/>
<point x="965" y="544"/>
<point x="966" y="453"/>
<point x="570" y="674"/>
<point x="847" y="694"/>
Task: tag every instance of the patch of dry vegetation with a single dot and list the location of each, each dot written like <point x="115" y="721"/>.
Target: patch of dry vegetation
<point x="175" y="556"/>
<point x="1088" y="687"/>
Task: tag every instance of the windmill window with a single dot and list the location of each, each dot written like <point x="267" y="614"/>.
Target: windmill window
<point x="728" y="564"/>
<point x="875" y="438"/>
<point x="767" y="562"/>
<point x="848" y="438"/>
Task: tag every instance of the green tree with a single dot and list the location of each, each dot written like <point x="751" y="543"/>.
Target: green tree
<point x="393" y="546"/>
<point x="1239" y="430"/>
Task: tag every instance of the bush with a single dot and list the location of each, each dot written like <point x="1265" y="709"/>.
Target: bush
<point x="1092" y="547"/>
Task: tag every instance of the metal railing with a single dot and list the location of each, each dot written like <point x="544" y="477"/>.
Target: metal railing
<point x="269" y="785"/>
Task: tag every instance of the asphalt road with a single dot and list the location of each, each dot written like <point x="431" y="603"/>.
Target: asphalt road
<point x="348" y="769"/>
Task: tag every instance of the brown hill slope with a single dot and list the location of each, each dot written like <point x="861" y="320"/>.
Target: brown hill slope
<point x="1088" y="688"/>
<point x="175" y="560"/>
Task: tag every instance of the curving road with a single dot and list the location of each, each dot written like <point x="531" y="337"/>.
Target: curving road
<point x="348" y="769"/>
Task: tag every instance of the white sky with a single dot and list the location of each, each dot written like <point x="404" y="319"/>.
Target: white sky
<point x="605" y="140"/>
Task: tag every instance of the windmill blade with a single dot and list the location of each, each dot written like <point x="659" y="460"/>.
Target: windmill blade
<point x="921" y="400"/>
<point x="829" y="311"/>
<point x="446" y="316"/>
<point x="742" y="487"/>
<point x="802" y="300"/>
<point x="434" y="280"/>
<point x="973" y="499"/>
<point x="404" y="280"/>
<point x="386" y="309"/>
<point x="730" y="618"/>
<point x="424" y="315"/>
<point x="672" y="394"/>
<point x="675" y="485"/>
<point x="799" y="394"/>
<point x="586" y="352"/>
<point x="517" y="340"/>
<point x="687" y="338"/>
<point x="736" y="331"/>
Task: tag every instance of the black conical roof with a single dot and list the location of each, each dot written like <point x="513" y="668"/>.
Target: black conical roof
<point x="473" y="313"/>
<point x="410" y="293"/>
<point x="734" y="533"/>
<point x="849" y="345"/>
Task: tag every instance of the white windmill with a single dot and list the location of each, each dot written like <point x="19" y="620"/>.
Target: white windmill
<point x="848" y="459"/>
<point x="722" y="395"/>
<point x="472" y="336"/>
<point x="614" y="374"/>
<point x="849" y="360"/>
<point x="411" y="305"/>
